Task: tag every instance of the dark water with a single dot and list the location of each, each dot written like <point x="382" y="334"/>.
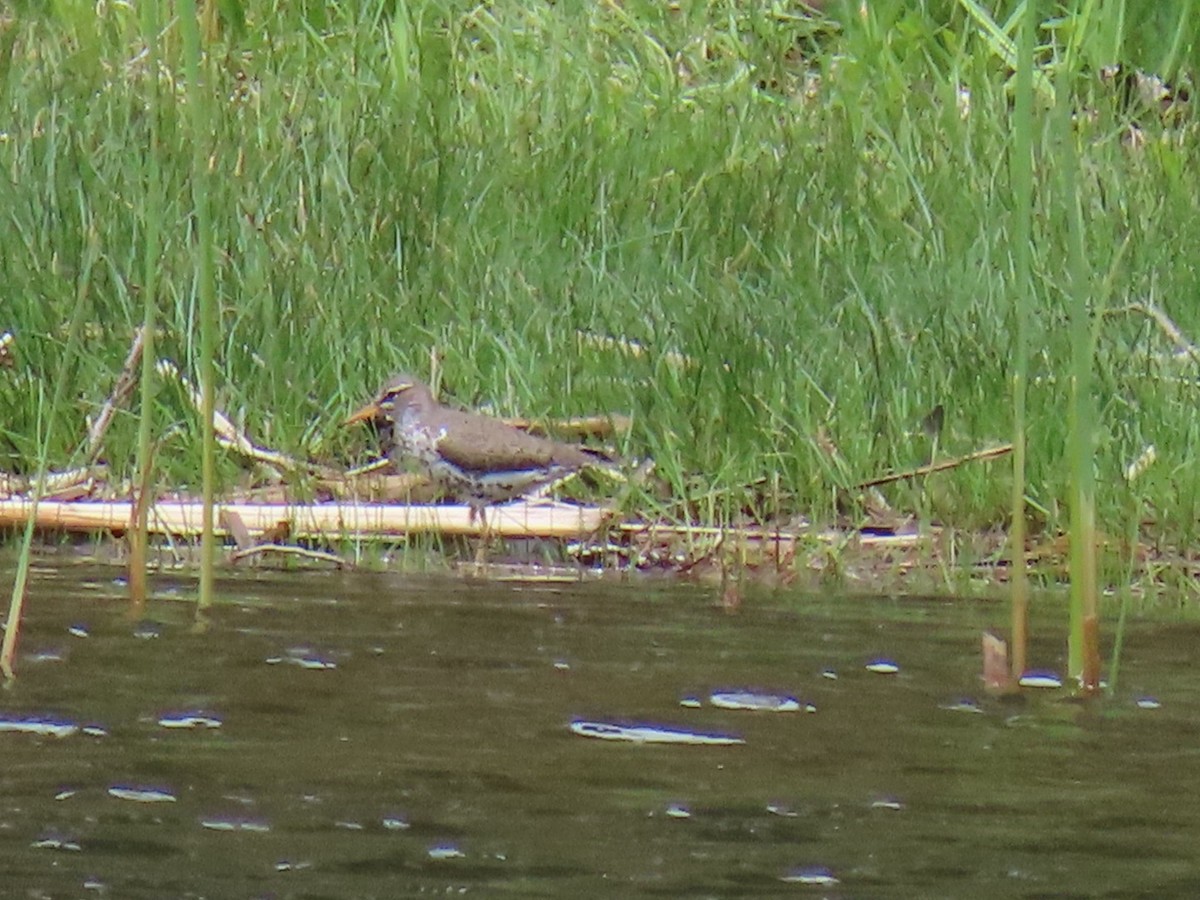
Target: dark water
<point x="386" y="736"/>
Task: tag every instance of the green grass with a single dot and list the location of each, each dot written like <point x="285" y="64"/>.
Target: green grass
<point x="802" y="211"/>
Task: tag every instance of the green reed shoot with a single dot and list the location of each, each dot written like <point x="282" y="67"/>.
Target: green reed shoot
<point x="1021" y="175"/>
<point x="199" y="91"/>
<point x="153" y="214"/>
<point x="1083" y="660"/>
<point x="47" y="424"/>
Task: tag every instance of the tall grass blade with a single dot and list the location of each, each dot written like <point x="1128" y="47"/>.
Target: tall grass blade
<point x="153" y="213"/>
<point x="998" y="41"/>
<point x="1021" y="175"/>
<point x="202" y="142"/>
<point x="1083" y="660"/>
<point x="1182" y="30"/>
<point x="47" y="420"/>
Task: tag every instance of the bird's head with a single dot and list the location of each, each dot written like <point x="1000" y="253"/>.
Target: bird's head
<point x="401" y="392"/>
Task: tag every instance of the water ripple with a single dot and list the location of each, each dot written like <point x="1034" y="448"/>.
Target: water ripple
<point x="754" y="700"/>
<point x="41" y="725"/>
<point x="652" y="734"/>
<point x="191" y="719"/>
<point x="141" y="794"/>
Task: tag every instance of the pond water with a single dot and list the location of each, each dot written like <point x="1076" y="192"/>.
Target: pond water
<point x="379" y="735"/>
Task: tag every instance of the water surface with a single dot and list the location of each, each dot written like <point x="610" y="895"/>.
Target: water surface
<point x="379" y="735"/>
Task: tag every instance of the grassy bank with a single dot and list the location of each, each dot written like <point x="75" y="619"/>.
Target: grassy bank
<point x="814" y="212"/>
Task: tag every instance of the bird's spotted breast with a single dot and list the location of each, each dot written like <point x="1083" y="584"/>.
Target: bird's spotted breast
<point x="420" y="443"/>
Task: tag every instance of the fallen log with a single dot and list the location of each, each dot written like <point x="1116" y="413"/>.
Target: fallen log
<point x="320" y="520"/>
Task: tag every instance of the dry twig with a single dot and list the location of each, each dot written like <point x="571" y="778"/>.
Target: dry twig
<point x="978" y="455"/>
<point x="120" y="393"/>
<point x="289" y="550"/>
<point x="1163" y="321"/>
<point x="230" y="437"/>
<point x="56" y="484"/>
<point x="634" y="348"/>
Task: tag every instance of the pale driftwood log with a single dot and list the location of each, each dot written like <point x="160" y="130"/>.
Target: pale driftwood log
<point x="322" y="520"/>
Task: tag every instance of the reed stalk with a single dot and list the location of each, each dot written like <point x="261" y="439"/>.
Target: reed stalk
<point x="202" y="146"/>
<point x="47" y="421"/>
<point x="1083" y="657"/>
<point x="151" y="249"/>
<point x="1021" y="175"/>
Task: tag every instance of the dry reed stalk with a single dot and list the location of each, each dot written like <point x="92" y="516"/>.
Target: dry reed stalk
<point x="330" y="520"/>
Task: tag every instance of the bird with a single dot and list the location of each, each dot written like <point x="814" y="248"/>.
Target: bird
<point x="475" y="456"/>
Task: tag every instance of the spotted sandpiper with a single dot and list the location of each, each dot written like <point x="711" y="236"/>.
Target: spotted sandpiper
<point x="476" y="456"/>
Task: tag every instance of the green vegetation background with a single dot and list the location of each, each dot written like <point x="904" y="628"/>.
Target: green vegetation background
<point x="814" y="211"/>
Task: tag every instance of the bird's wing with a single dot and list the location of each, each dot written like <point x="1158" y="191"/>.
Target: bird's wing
<point x="477" y="444"/>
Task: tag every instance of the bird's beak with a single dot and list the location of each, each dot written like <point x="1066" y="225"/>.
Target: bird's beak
<point x="370" y="411"/>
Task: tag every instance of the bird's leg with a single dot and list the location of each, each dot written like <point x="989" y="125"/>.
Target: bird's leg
<point x="479" y="511"/>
